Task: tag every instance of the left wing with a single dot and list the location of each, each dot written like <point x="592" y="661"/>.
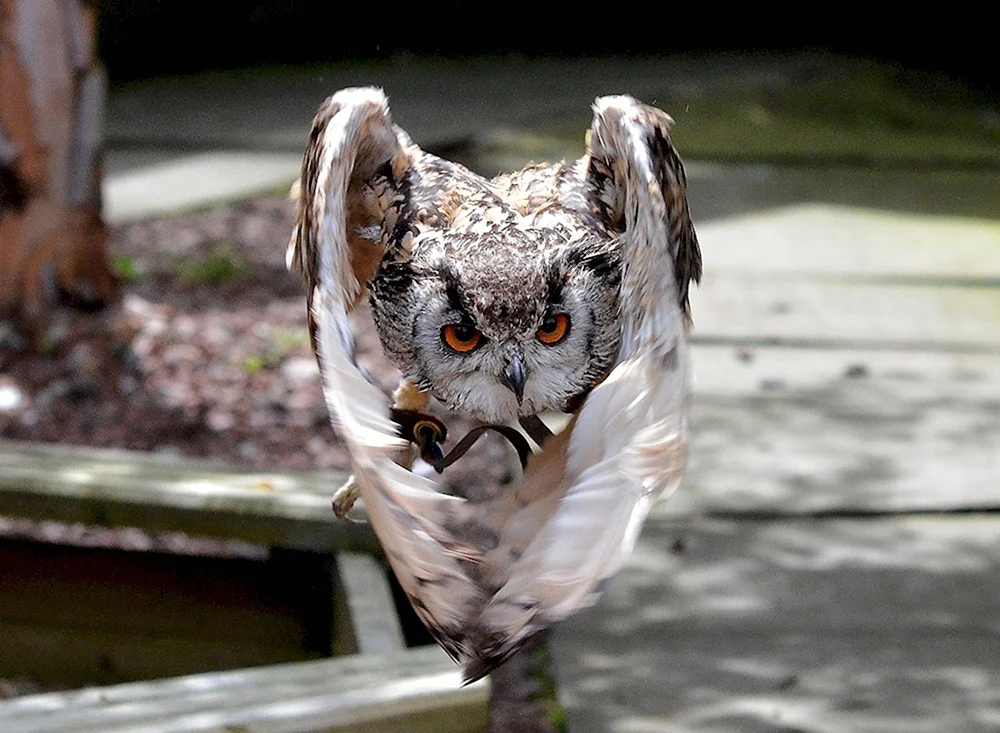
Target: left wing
<point x="353" y="179"/>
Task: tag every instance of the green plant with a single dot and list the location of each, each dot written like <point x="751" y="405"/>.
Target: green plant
<point x="221" y="265"/>
<point x="125" y="268"/>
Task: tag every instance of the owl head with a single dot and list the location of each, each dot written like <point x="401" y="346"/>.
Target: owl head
<point x="501" y="298"/>
<point x="502" y="323"/>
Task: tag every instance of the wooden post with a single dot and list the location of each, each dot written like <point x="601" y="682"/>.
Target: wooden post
<point x="523" y="692"/>
<point x="52" y="238"/>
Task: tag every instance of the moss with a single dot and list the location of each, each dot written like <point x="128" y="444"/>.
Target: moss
<point x="547" y="697"/>
<point x="125" y="268"/>
<point x="221" y="265"/>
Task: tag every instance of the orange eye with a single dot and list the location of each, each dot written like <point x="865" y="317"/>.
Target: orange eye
<point x="461" y="337"/>
<point x="553" y="329"/>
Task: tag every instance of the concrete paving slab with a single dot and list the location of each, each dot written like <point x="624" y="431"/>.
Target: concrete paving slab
<point x="770" y="309"/>
<point x="491" y="113"/>
<point x="195" y="182"/>
<point x="799" y="431"/>
<point x="854" y="243"/>
<point x="882" y="626"/>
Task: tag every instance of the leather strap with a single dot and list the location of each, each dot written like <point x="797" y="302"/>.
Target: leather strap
<point x="428" y="432"/>
<point x="536" y="429"/>
<point x="511" y="434"/>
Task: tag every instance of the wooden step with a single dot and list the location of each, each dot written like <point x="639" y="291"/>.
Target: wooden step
<point x="417" y="691"/>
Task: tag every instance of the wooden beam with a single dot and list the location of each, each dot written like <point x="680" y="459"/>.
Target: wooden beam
<point x="416" y="690"/>
<point x="165" y="494"/>
<point x="368" y="599"/>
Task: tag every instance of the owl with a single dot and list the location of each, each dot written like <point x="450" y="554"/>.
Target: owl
<point x="560" y="287"/>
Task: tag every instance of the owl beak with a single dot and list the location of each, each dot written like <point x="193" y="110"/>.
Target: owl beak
<point x="514" y="378"/>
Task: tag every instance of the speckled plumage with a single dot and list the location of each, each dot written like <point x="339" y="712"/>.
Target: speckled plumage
<point x="498" y="254"/>
<point x="608" y="244"/>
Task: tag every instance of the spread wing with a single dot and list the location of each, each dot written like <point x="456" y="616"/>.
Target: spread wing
<point x="355" y="206"/>
<point x="626" y="445"/>
<point x="486" y="576"/>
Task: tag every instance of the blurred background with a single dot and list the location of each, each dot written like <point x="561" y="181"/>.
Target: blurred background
<point x="830" y="562"/>
<point x="141" y="38"/>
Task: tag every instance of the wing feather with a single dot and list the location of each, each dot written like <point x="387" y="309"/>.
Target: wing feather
<point x="352" y="138"/>
<point x="627" y="444"/>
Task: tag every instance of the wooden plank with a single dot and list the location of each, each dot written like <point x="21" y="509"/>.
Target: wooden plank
<point x="813" y="239"/>
<point x="799" y="431"/>
<point x="765" y="308"/>
<point x="370" y="605"/>
<point x="160" y="494"/>
<point x="822" y="626"/>
<point x="415" y="690"/>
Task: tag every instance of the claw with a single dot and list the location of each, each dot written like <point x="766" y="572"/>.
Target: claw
<point x="343" y="501"/>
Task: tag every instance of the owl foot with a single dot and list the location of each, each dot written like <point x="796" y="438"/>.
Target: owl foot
<point x="344" y="498"/>
<point x="408" y="396"/>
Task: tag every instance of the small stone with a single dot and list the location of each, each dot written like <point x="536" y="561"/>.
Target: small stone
<point x="82" y="358"/>
<point x="263" y="418"/>
<point x="181" y="353"/>
<point x="220" y="420"/>
<point x="57" y="332"/>
<point x="11" y="398"/>
<point x="174" y="395"/>
<point x="228" y="395"/>
<point x="248" y="450"/>
<point x="772" y="385"/>
<point x="300" y="369"/>
<point x="856" y="371"/>
<point x="275" y="397"/>
<point x="186" y="327"/>
<point x="224" y="373"/>
<point x="744" y="356"/>
<point x="217" y="335"/>
<point x="300" y="401"/>
<point x="10" y="339"/>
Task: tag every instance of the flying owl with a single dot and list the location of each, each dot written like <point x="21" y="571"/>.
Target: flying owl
<point x="561" y="287"/>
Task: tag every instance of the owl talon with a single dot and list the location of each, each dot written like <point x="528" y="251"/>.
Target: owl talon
<point x="343" y="501"/>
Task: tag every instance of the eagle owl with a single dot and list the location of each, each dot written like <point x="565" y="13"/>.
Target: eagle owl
<point x="561" y="287"/>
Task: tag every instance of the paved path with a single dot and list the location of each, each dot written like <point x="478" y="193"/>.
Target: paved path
<point x="830" y="563"/>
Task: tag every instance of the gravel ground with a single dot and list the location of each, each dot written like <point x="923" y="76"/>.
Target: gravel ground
<point x="206" y="356"/>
